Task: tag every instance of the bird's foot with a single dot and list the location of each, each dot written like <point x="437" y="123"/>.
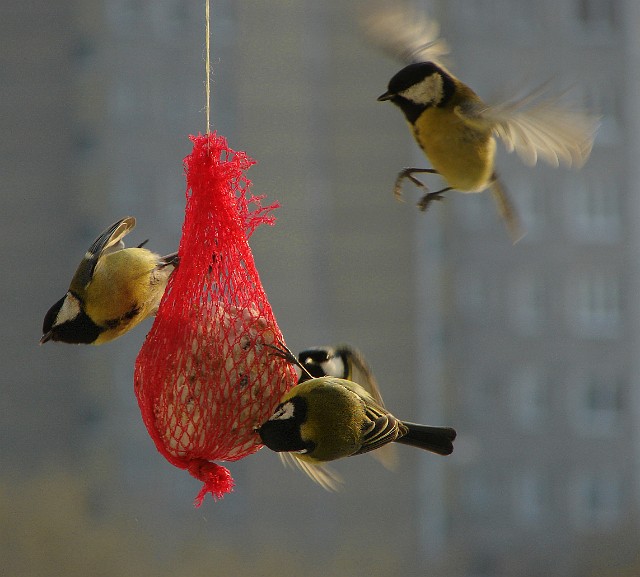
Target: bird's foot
<point x="426" y="200"/>
<point x="282" y="350"/>
<point x="408" y="174"/>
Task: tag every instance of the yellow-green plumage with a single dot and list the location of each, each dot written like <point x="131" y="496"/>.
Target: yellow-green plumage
<point x="334" y="418"/>
<point x="328" y="418"/>
<point x="463" y="154"/>
<point x="126" y="288"/>
<point x="456" y="129"/>
<point x="113" y="289"/>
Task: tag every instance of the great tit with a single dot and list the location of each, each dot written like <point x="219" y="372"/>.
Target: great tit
<point x="328" y="418"/>
<point x="342" y="361"/>
<point x="113" y="289"/>
<point x="456" y="130"/>
<point x="345" y="362"/>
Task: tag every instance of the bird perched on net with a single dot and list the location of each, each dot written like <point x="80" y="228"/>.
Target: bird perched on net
<point x="342" y="361"/>
<point x="456" y="129"/>
<point x="328" y="418"/>
<point x="345" y="362"/>
<point x="113" y="289"/>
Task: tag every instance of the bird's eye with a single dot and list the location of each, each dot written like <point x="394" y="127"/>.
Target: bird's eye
<point x="284" y="411"/>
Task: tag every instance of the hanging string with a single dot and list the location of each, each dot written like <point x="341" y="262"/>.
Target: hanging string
<point x="208" y="65"/>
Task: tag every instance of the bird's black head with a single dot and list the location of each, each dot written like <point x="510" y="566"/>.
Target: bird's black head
<point x="67" y="322"/>
<point x="419" y="86"/>
<point x="314" y="360"/>
<point x="281" y="432"/>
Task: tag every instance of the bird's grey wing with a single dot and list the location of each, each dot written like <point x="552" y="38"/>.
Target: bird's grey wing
<point x="324" y="475"/>
<point x="109" y="241"/>
<point x="112" y="236"/>
<point x="362" y="374"/>
<point x="538" y="127"/>
<point x="403" y="33"/>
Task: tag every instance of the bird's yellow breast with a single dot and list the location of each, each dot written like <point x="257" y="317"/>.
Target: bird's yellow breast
<point x="121" y="290"/>
<point x="334" y="422"/>
<point x="462" y="154"/>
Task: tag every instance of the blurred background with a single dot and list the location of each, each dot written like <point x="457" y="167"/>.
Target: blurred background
<point x="531" y="351"/>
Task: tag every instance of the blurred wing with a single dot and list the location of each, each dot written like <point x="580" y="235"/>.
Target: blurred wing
<point x="356" y="388"/>
<point x="109" y="241"/>
<point x="507" y="210"/>
<point x="362" y="374"/>
<point x="543" y="129"/>
<point x="324" y="475"/>
<point x="404" y="34"/>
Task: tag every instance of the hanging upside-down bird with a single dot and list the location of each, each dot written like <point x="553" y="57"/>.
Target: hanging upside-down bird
<point x="113" y="289"/>
<point x="456" y="130"/>
<point x="342" y="361"/>
<point x="328" y="418"/>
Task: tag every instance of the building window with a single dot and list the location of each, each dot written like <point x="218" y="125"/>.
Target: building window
<point x="480" y="492"/>
<point x="597" y="98"/>
<point x="597" y="15"/>
<point x="597" y="499"/>
<point x="169" y="17"/>
<point x="85" y="141"/>
<point x="530" y="496"/>
<point x="598" y="402"/>
<point x="472" y="294"/>
<point x="527" y="308"/>
<point x="529" y="397"/>
<point x="484" y="393"/>
<point x="83" y="53"/>
<point x="594" y="301"/>
<point x="593" y="207"/>
<point x="125" y="15"/>
<point x="529" y="200"/>
<point x="476" y="211"/>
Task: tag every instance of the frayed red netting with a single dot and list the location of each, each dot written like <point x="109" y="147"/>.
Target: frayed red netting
<point x="205" y="377"/>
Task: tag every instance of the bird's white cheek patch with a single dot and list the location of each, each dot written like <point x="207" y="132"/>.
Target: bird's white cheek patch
<point x="428" y="92"/>
<point x="69" y="310"/>
<point x="334" y="367"/>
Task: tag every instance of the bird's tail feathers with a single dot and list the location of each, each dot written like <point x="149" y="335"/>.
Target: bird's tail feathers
<point x="506" y="209"/>
<point x="438" y="440"/>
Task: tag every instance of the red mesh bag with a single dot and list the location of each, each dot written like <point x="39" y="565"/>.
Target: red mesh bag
<point x="205" y="376"/>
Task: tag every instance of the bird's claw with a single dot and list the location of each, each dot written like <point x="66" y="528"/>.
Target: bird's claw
<point x="397" y="192"/>
<point x="426" y="200"/>
<point x="284" y="352"/>
<point x="406" y="173"/>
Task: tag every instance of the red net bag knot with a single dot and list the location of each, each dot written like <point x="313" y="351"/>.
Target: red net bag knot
<point x="206" y="376"/>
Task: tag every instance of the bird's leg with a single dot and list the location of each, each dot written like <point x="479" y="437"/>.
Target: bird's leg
<point x="424" y="202"/>
<point x="283" y="351"/>
<point x="408" y="173"/>
<point x="169" y="260"/>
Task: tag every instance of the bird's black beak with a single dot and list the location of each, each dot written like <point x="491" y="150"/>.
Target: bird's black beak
<point x="386" y="96"/>
<point x="46" y="337"/>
